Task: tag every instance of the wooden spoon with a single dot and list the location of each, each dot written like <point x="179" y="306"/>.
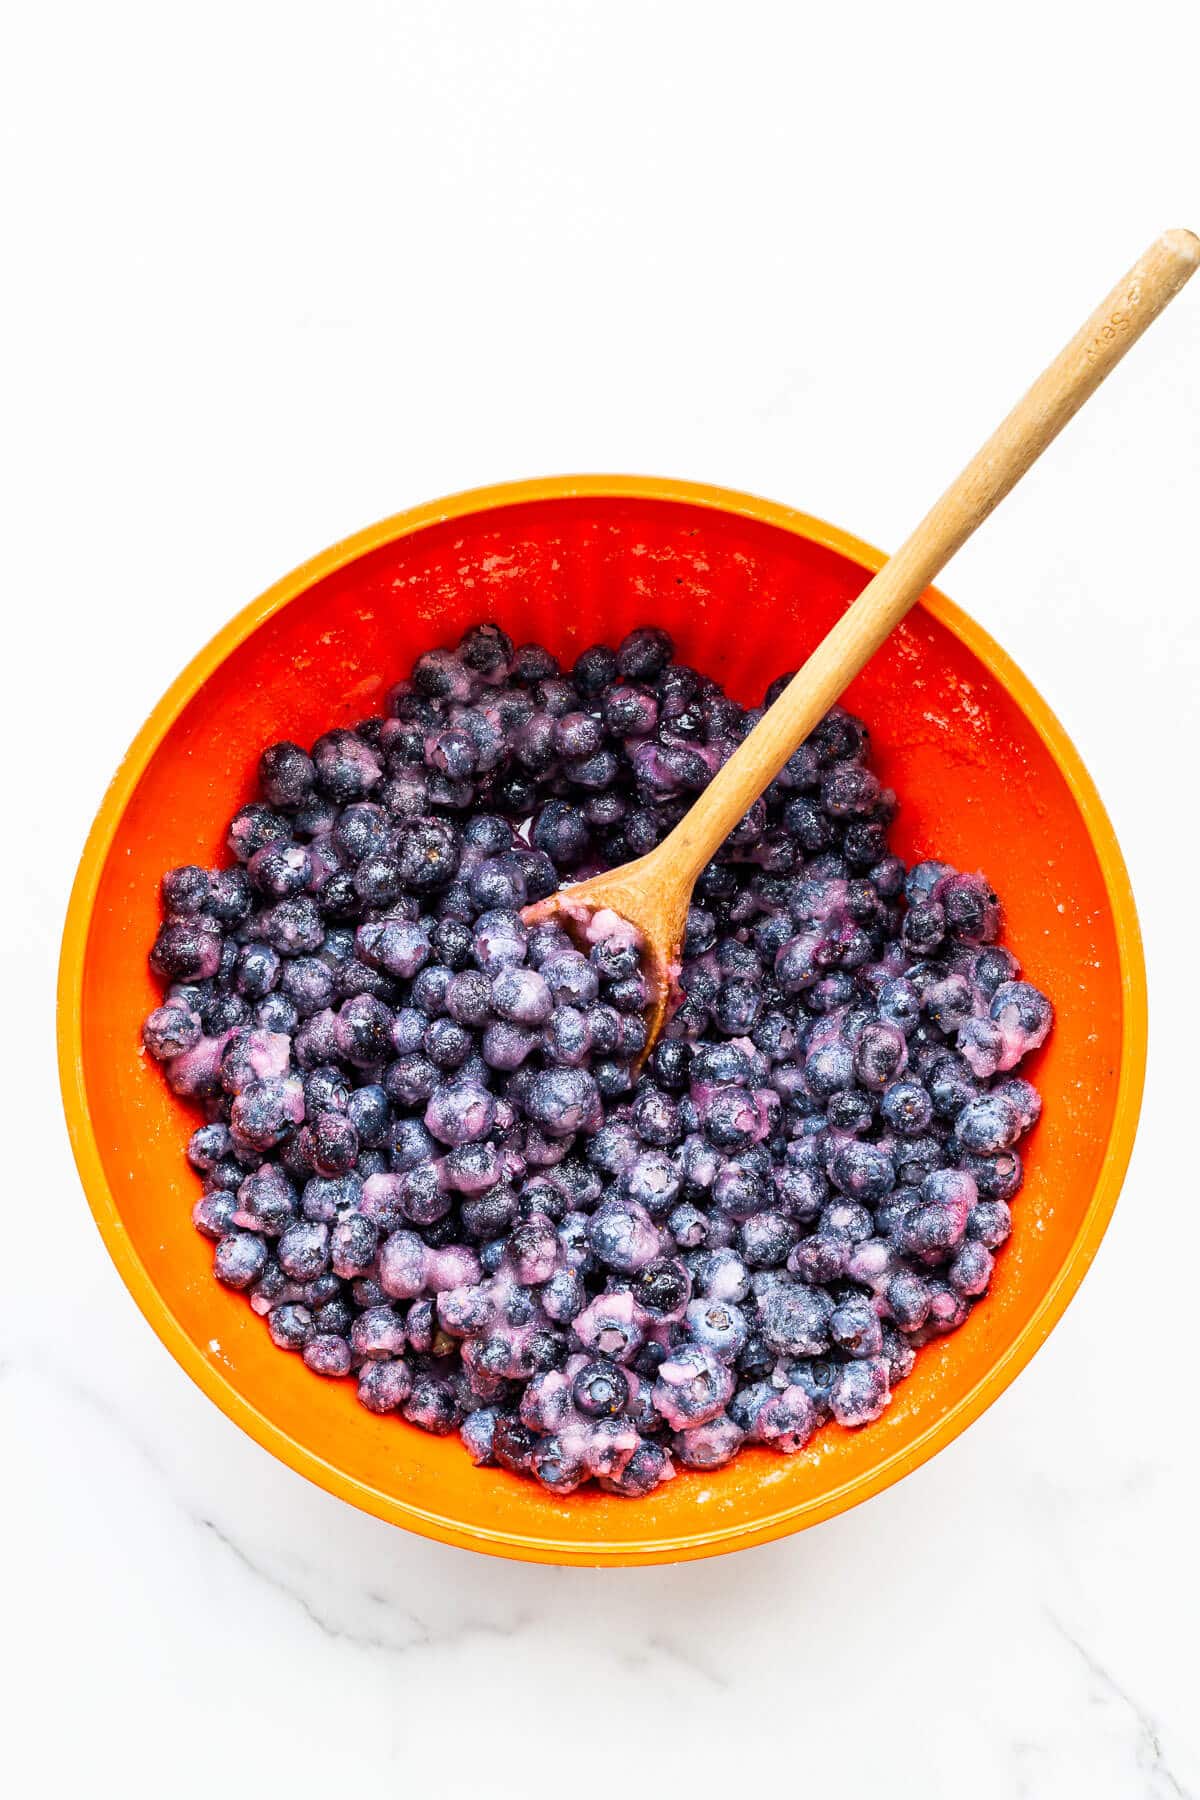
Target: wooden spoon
<point x="653" y="893"/>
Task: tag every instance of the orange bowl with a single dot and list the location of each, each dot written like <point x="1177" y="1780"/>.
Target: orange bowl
<point x="987" y="778"/>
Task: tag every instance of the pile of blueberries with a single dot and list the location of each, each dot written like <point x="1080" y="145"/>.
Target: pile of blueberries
<point x="431" y="1159"/>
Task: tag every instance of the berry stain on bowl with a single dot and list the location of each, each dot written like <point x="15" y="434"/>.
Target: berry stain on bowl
<point x="435" y="1156"/>
<point x="482" y="1266"/>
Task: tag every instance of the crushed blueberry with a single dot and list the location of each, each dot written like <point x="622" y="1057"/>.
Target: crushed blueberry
<point x="431" y="1154"/>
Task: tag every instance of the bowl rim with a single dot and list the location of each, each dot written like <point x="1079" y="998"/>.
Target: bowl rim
<point x="210" y="1379"/>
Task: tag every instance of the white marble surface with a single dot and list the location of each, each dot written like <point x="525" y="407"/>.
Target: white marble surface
<point x="276" y="270"/>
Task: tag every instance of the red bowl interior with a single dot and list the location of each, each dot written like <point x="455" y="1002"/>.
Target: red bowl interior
<point x="986" y="780"/>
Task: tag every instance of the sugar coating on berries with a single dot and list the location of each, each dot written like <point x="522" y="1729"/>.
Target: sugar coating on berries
<point x="431" y="1155"/>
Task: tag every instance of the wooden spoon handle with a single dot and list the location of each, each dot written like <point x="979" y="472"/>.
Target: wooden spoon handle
<point x="1034" y="422"/>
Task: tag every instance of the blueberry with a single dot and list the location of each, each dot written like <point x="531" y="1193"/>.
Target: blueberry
<point x="290" y="1326"/>
<point x="506" y="1046"/>
<point x="718" y="1325"/>
<point x="334" y="1143"/>
<point x="880" y="1054"/>
<point x="692" y="1387"/>
<point x="257" y="972"/>
<point x="468" y="997"/>
<point x="748" y="1402"/>
<point x="253" y="828"/>
<point x="186" y="950"/>
<point x="266" y="1201"/>
<point x="971" y="1270"/>
<point x="370" y="1114"/>
<point x="722" y="1275"/>
<point x="279" y="870"/>
<point x="997" y="1177"/>
<point x="398" y="946"/>
<point x="787" y="1422"/>
<point x="364" y="1032"/>
<point x="521" y="995"/>
<point x="688" y="1225"/>
<point x="207" y="1146"/>
<point x="662" y="1288"/>
<point x="171" y="1030"/>
<point x="821" y="1258"/>
<point x="861" y="1171"/>
<point x="988" y="1125"/>
<point x="497" y="882"/>
<point x="335" y="1317"/>
<point x="420" y="1326"/>
<point x="981" y="1044"/>
<point x="990" y="1223"/>
<point x="656" y="1118"/>
<point x="860" y="1391"/>
<point x="346" y="766"/>
<point x="384" y="1386"/>
<point x="567" y="1037"/>
<point x="186" y="890"/>
<point x="446" y="1044"/>
<point x="653" y="1181"/>
<point x="478" y="1433"/>
<point x="326" y="1088"/>
<point x="906" y="1107"/>
<point x="452" y="943"/>
<point x="600" y="1389"/>
<point x="562" y="1101"/>
<point x="630" y="712"/>
<point x="293" y="926"/>
<point x="829" y="1068"/>
<point x="795" y="1320"/>
<point x="594" y="670"/>
<point x="285" y="774"/>
<point x="708" y="1446"/>
<point x="229" y="897"/>
<point x="765" y="1240"/>
<point x="327" y="1354"/>
<point x="733" y="1119"/>
<point x="852" y="1111"/>
<point x="855" y="1328"/>
<point x="971" y="908"/>
<point x="239" y="1259"/>
<point x="561" y="830"/>
<point x="931" y="1232"/>
<point x="432" y="1405"/>
<point x="212" y="1215"/>
<point x="427" y="854"/>
<point x="738" y="1006"/>
<point x="557" y="1465"/>
<point x="513" y="1444"/>
<point x="264" y="1113"/>
<point x="647" y="1467"/>
<point x="423" y="1197"/>
<point x="643" y="654"/>
<point x="1024" y="1015"/>
<point x="622" y="1235"/>
<point x="304" y="1250"/>
<point x="923" y="878"/>
<point x="487" y="651"/>
<point x="992" y="966"/>
<point x="500" y="938"/>
<point x="849" y="791"/>
<point x="531" y="664"/>
<point x="578" y="735"/>
<point x="951" y="1086"/>
<point x="949" y="1002"/>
